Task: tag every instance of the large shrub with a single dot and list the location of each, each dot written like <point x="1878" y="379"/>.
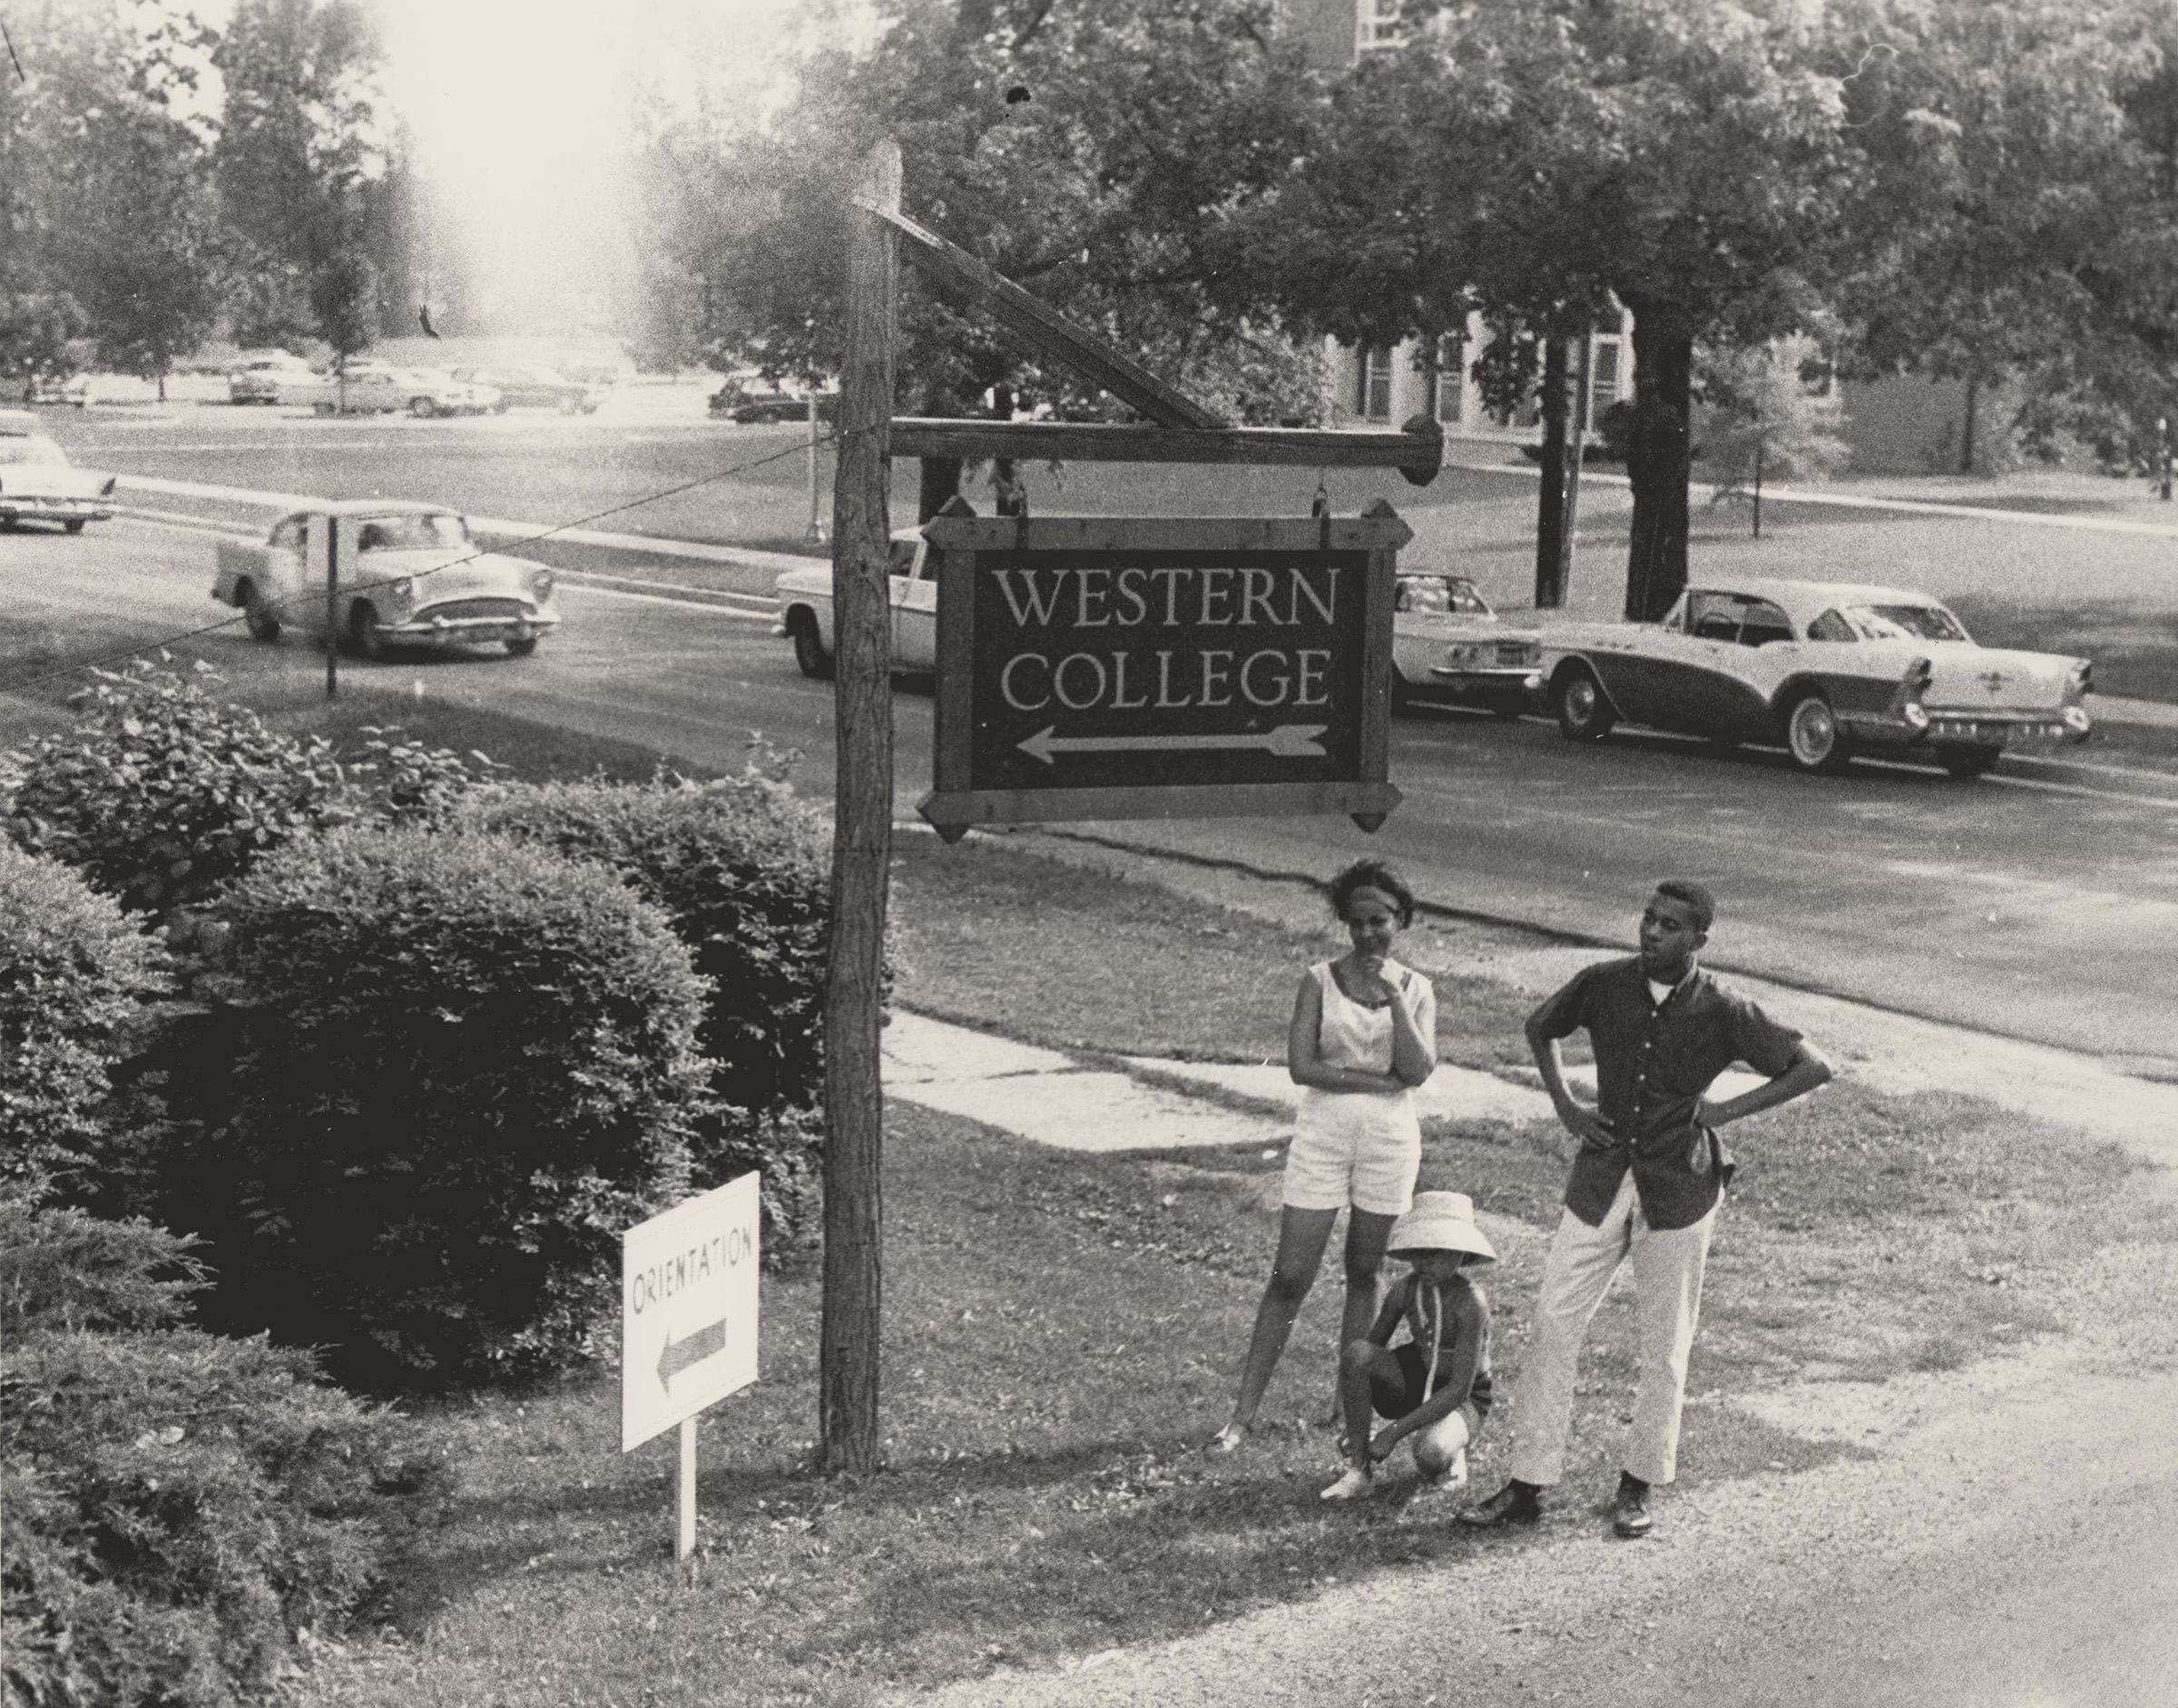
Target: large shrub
<point x="74" y="974"/>
<point x="468" y="1066"/>
<point x="743" y="868"/>
<point x="162" y="793"/>
<point x="178" y="1506"/>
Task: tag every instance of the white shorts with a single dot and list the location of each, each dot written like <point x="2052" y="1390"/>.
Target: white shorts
<point x="1354" y="1147"/>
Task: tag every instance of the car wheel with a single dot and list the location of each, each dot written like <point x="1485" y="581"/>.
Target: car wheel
<point x="1812" y="736"/>
<point x="257" y="615"/>
<point x="1963" y="761"/>
<point x="522" y="647"/>
<point x="422" y="409"/>
<point x="366" y="633"/>
<point x="815" y="663"/>
<point x="1584" y="714"/>
<point x="73" y="525"/>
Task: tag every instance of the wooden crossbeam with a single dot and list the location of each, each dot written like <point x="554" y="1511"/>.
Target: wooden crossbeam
<point x="1418" y="453"/>
<point x="1041" y="327"/>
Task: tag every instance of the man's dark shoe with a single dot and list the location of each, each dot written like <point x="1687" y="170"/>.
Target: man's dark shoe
<point x="1630" y="1514"/>
<point x="1515" y="1503"/>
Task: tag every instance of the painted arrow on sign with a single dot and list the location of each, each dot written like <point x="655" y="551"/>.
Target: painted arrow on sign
<point x="678" y="1355"/>
<point x="1287" y="740"/>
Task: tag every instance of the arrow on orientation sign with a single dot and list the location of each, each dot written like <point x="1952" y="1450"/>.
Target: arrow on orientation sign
<point x="1287" y="740"/>
<point x="678" y="1355"/>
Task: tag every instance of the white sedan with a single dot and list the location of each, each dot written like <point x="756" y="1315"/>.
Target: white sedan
<point x="805" y="609"/>
<point x="1448" y="645"/>
<point x="1823" y="669"/>
<point x="38" y="483"/>
<point x="404" y="575"/>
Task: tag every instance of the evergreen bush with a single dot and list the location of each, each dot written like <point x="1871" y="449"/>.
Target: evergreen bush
<point x="178" y="1506"/>
<point x="742" y="867"/>
<point x="468" y="1066"/>
<point x="74" y="973"/>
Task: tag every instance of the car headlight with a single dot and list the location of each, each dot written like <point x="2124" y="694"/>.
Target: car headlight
<point x="540" y="582"/>
<point x="403" y="589"/>
<point x="2081" y="682"/>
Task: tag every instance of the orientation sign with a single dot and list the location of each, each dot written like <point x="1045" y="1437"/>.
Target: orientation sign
<point x="688" y="1304"/>
<point x="1171" y="667"/>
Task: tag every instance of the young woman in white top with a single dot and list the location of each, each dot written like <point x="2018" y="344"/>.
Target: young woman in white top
<point x="1362" y="1037"/>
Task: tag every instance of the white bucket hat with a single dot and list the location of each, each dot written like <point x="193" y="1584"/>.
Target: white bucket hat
<point x="1439" y="1222"/>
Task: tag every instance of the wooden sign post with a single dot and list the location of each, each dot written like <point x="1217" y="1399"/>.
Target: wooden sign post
<point x="861" y="841"/>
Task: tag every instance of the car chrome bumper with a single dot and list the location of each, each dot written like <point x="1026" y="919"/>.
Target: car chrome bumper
<point x="29" y="507"/>
<point x="1482" y="680"/>
<point x="467" y="631"/>
<point x="2061" y="726"/>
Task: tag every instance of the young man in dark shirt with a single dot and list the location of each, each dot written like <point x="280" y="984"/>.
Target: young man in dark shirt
<point x="1646" y="1183"/>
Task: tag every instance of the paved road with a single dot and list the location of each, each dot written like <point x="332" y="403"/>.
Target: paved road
<point x="2041" y="911"/>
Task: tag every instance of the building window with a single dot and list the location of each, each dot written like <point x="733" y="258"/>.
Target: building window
<point x="1603" y="375"/>
<point x="1378" y="23"/>
<point x="1372" y="386"/>
<point x="1451" y="378"/>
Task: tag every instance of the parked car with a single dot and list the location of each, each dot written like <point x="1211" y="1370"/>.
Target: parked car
<point x="408" y="575"/>
<point x="755" y="405"/>
<point x="805" y="609"/>
<point x="534" y="388"/>
<point x="80" y="391"/>
<point x="380" y="389"/>
<point x="1447" y="645"/>
<point x="1826" y="669"/>
<point x="259" y="378"/>
<point x="38" y="483"/>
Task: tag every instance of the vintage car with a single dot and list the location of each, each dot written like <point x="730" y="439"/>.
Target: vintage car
<point x="522" y="388"/>
<point x="38" y="483"/>
<point x="260" y="377"/>
<point x="805" y="609"/>
<point x="760" y="404"/>
<point x="1448" y="646"/>
<point x="1826" y="669"/>
<point x="408" y="575"/>
<point x="379" y="388"/>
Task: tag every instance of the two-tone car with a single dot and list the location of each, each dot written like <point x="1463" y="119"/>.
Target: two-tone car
<point x="398" y="574"/>
<point x="1449" y="647"/>
<point x="1824" y="669"/>
<point x="38" y="483"/>
<point x="379" y="388"/>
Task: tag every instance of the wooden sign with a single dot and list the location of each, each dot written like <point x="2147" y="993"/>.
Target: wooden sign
<point x="1093" y="667"/>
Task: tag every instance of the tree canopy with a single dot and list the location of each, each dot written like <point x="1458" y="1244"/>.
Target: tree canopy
<point x="1093" y="150"/>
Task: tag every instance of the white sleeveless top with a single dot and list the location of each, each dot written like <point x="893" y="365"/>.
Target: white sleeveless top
<point x="1351" y="1034"/>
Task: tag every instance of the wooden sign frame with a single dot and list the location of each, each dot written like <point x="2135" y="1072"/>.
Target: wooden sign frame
<point x="963" y="794"/>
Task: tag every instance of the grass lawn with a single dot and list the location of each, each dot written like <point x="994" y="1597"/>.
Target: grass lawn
<point x="1062" y="1333"/>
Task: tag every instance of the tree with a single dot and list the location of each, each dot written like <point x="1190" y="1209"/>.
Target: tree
<point x="302" y="150"/>
<point x="1763" y="421"/>
<point x="2009" y="234"/>
<point x="111" y="227"/>
<point x="1093" y="150"/>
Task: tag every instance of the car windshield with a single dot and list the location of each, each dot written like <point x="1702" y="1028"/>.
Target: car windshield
<point x="17" y="450"/>
<point x="411" y="534"/>
<point x="1440" y="596"/>
<point x="1905" y="623"/>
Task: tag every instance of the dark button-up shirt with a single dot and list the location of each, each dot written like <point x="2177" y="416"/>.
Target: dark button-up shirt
<point x="1653" y="1062"/>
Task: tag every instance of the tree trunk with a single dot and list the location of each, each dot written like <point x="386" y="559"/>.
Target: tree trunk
<point x="1658" y="457"/>
<point x="1970" y="426"/>
<point x="854" y="1105"/>
<point x="1554" y="540"/>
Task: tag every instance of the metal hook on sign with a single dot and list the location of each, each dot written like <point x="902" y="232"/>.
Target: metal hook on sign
<point x="1319" y="506"/>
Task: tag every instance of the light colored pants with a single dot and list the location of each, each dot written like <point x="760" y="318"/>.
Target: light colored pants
<point x="1667" y="1302"/>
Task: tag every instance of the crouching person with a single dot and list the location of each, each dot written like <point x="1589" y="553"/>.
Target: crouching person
<point x="1434" y="1387"/>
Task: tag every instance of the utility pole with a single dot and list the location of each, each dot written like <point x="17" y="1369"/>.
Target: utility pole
<point x="862" y="834"/>
<point x="332" y="607"/>
<point x="814" y="535"/>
